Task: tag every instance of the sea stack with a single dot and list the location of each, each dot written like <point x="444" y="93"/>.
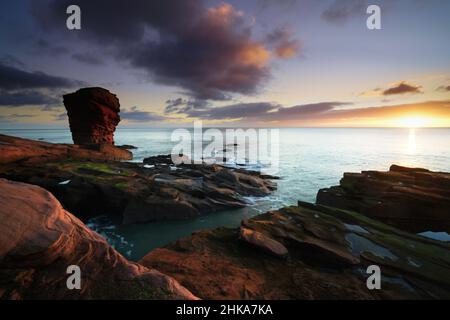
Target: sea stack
<point x="93" y="115"/>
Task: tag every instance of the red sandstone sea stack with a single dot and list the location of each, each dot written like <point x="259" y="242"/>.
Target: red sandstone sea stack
<point x="93" y="115"/>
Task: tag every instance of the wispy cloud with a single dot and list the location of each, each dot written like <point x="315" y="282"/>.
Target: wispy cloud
<point x="14" y="78"/>
<point x="322" y="113"/>
<point x="20" y="87"/>
<point x="26" y="98"/>
<point x="88" y="58"/>
<point x="134" y="114"/>
<point x="341" y="10"/>
<point x="445" y="88"/>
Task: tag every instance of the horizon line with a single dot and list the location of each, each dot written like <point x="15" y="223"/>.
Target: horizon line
<point x="246" y="127"/>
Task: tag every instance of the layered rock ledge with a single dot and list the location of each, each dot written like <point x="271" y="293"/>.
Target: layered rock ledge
<point x="128" y="192"/>
<point x="39" y="240"/>
<point x="306" y="252"/>
<point x="413" y="199"/>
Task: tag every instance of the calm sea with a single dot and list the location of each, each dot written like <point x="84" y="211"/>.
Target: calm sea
<point x="310" y="159"/>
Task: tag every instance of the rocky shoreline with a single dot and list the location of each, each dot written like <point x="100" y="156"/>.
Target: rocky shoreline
<point x="309" y="251"/>
<point x="88" y="183"/>
<point x="39" y="238"/>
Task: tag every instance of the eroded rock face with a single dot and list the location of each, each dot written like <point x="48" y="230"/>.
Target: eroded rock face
<point x="93" y="115"/>
<point x="328" y="252"/>
<point x="39" y="240"/>
<point x="412" y="199"/>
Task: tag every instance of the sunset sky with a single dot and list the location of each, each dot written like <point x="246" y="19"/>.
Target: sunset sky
<point x="277" y="63"/>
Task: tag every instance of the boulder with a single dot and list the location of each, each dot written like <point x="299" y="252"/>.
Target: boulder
<point x="39" y="240"/>
<point x="263" y="242"/>
<point x="93" y="115"/>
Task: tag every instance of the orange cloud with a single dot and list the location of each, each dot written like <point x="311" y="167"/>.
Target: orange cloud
<point x="224" y="14"/>
<point x="284" y="46"/>
<point x="287" y="50"/>
<point x="254" y="54"/>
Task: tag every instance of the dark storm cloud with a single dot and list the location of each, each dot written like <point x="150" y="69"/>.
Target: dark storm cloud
<point x="26" y="98"/>
<point x="136" y="115"/>
<point x="402" y="88"/>
<point x="87" y="58"/>
<point x="207" y="51"/>
<point x="12" y="78"/>
<point x="342" y="10"/>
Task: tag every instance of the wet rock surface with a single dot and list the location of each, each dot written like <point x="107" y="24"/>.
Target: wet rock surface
<point x="328" y="252"/>
<point x="39" y="240"/>
<point x="93" y="115"/>
<point x="413" y="199"/>
<point x="133" y="192"/>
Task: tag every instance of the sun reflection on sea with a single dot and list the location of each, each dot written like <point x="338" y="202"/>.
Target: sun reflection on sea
<point x="412" y="144"/>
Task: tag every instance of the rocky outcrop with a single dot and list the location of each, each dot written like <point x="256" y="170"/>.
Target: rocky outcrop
<point x="39" y="240"/>
<point x="412" y="199"/>
<point x="93" y="115"/>
<point x="326" y="255"/>
<point x="15" y="150"/>
<point x="129" y="192"/>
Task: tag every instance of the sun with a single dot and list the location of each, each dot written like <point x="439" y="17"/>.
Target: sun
<point x="413" y="122"/>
